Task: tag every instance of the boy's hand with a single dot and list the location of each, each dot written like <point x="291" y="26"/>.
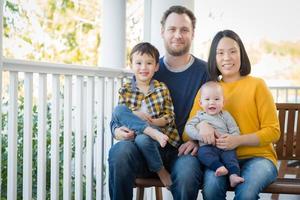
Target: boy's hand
<point x="160" y="122"/>
<point x="188" y="147"/>
<point x="143" y="116"/>
<point x="124" y="133"/>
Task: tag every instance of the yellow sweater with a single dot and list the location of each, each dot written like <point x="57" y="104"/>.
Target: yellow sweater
<point x="251" y="104"/>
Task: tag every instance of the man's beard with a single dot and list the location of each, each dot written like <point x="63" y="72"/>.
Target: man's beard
<point x="178" y="52"/>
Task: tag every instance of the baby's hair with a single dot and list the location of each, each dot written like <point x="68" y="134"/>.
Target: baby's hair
<point x="211" y="84"/>
<point x="147" y="48"/>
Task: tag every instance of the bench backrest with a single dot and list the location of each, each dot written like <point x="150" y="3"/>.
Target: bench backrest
<point x="288" y="146"/>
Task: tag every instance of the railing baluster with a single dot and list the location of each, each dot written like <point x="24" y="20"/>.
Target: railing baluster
<point x="67" y="184"/>
<point x="55" y="138"/>
<point x="100" y="139"/>
<point x="12" y="137"/>
<point x="27" y="138"/>
<point x="42" y="133"/>
<point x="90" y="138"/>
<point x="78" y="138"/>
<point x="107" y="136"/>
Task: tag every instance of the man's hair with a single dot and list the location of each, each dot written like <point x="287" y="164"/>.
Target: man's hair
<point x="147" y="48"/>
<point x="178" y="10"/>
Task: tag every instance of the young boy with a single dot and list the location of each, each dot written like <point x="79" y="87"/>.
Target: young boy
<point x="222" y="161"/>
<point x="145" y="106"/>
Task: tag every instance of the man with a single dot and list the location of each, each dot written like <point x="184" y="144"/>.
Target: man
<point x="183" y="74"/>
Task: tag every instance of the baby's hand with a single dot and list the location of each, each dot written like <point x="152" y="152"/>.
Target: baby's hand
<point x="207" y="132"/>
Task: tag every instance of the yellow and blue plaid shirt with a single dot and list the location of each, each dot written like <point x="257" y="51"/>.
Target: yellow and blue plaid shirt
<point x="158" y="101"/>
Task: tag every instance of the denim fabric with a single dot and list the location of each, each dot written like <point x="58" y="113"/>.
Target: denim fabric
<point x="150" y="150"/>
<point x="186" y="176"/>
<point x="126" y="162"/>
<point x="123" y="116"/>
<point x="149" y="147"/>
<point x="213" y="158"/>
<point x="258" y="173"/>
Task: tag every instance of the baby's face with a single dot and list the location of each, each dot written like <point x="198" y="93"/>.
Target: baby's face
<point x="212" y="100"/>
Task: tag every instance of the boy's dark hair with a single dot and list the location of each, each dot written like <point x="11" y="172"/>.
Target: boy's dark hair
<point x="147" y="48"/>
<point x="213" y="70"/>
<point x="178" y="10"/>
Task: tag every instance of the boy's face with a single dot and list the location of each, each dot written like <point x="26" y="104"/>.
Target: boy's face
<point x="212" y="100"/>
<point x="143" y="66"/>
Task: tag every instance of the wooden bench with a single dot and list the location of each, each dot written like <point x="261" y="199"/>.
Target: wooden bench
<point x="287" y="149"/>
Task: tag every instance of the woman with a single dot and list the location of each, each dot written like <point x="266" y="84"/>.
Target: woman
<point x="251" y="103"/>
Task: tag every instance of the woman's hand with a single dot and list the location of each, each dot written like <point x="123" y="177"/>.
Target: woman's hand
<point x="227" y="141"/>
<point x="207" y="133"/>
<point x="124" y="133"/>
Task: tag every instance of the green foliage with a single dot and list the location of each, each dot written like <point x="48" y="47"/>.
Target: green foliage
<point x="286" y="48"/>
<point x="52" y="31"/>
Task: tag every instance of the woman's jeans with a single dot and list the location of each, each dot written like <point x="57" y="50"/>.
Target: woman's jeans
<point x="126" y="163"/>
<point x="258" y="173"/>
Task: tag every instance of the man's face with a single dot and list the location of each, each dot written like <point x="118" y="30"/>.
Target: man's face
<point x="177" y="34"/>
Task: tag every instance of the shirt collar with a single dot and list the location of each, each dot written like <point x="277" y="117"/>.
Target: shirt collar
<point x="135" y="88"/>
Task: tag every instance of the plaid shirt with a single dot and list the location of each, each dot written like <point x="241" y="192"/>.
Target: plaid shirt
<point x="159" y="104"/>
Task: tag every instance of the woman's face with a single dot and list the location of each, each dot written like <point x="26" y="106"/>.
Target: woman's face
<point x="228" y="59"/>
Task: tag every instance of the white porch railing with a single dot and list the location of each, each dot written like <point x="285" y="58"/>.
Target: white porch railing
<point x="80" y="100"/>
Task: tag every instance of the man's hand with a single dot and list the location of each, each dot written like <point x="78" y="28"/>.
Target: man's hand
<point x="124" y="133"/>
<point x="207" y="133"/>
<point x="188" y="147"/>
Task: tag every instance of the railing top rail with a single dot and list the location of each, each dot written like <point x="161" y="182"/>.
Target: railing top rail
<point x="64" y="69"/>
<point x="284" y="87"/>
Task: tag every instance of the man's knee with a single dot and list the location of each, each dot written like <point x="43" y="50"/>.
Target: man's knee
<point x="142" y="140"/>
<point x="122" y="153"/>
<point x="187" y="175"/>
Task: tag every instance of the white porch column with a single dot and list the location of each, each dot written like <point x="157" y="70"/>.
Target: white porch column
<point x="1" y="67"/>
<point x="113" y="38"/>
<point x="154" y="10"/>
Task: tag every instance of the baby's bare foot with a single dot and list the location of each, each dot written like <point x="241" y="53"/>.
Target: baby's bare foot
<point x="235" y="180"/>
<point x="165" y="177"/>
<point x="221" y="171"/>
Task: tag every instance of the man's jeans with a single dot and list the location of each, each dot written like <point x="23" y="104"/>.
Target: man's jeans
<point x="126" y="162"/>
<point x="258" y="173"/>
